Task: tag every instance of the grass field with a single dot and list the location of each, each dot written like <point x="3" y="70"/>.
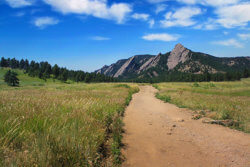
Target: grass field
<point x="75" y="124"/>
<point x="221" y="100"/>
<point x="57" y="124"/>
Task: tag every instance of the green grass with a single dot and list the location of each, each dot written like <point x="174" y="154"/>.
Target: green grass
<point x="56" y="124"/>
<point x="223" y="100"/>
<point x="25" y="80"/>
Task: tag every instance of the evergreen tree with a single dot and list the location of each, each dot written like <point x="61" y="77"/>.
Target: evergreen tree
<point x="87" y="78"/>
<point x="246" y="73"/>
<point x="14" y="63"/>
<point x="3" y="62"/>
<point x="63" y="75"/>
<point x="22" y="64"/>
<point x="26" y="65"/>
<point x="56" y="71"/>
<point x="11" y="79"/>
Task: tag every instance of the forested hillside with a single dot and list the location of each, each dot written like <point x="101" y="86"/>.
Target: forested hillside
<point x="181" y="64"/>
<point x="44" y="71"/>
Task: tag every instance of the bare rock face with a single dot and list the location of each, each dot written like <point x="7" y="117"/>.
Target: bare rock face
<point x="179" y="54"/>
<point x="180" y="59"/>
<point x="152" y="62"/>
<point x="146" y="65"/>
<point x="123" y="68"/>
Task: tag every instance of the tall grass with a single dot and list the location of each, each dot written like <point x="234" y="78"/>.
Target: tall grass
<point x="224" y="100"/>
<point x="62" y="125"/>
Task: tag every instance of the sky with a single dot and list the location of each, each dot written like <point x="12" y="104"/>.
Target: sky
<point x="88" y="34"/>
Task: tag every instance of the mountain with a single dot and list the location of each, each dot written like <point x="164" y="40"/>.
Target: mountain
<point x="180" y="59"/>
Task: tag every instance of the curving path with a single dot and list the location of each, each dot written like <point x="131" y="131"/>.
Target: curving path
<point x="159" y="134"/>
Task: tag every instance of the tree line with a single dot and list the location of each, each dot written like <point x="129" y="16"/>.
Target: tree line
<point x="176" y="76"/>
<point x="44" y="71"/>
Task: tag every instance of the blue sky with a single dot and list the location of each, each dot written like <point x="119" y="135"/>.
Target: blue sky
<point x="87" y="34"/>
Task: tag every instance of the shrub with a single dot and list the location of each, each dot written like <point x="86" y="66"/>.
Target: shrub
<point x="163" y="98"/>
<point x="196" y="84"/>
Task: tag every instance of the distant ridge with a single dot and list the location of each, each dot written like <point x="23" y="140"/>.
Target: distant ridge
<point x="180" y="59"/>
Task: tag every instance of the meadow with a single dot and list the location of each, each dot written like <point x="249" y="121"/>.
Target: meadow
<point x="61" y="124"/>
<point x="217" y="100"/>
<point x="50" y="123"/>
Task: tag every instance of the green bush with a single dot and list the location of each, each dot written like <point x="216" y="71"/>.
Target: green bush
<point x="196" y="85"/>
<point x="163" y="98"/>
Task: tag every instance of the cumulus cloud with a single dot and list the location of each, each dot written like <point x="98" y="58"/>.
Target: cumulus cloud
<point x="19" y="3"/>
<point x="160" y="8"/>
<point x="43" y="22"/>
<point x="244" y="36"/>
<point x="210" y="2"/>
<point x="181" y="17"/>
<point x="228" y="14"/>
<point x="161" y="37"/>
<point x="140" y="16"/>
<point x="96" y="8"/>
<point x="234" y="15"/>
<point x="229" y="42"/>
<point x="100" y="38"/>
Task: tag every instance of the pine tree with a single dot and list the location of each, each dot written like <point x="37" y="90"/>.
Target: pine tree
<point x="3" y="62"/>
<point x="63" y="76"/>
<point x="246" y="73"/>
<point x="87" y="78"/>
<point x="22" y="64"/>
<point x="11" y="79"/>
<point x="56" y="71"/>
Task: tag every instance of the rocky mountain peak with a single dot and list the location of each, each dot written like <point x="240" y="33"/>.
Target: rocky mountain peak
<point x="179" y="59"/>
<point x="178" y="55"/>
<point x="179" y="48"/>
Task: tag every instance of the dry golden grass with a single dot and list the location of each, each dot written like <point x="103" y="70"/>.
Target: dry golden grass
<point x="230" y="100"/>
<point x="62" y="125"/>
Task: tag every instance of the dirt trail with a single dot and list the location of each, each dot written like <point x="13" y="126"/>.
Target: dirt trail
<point x="155" y="136"/>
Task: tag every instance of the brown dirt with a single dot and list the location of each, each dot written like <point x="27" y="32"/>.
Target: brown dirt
<point x="159" y="134"/>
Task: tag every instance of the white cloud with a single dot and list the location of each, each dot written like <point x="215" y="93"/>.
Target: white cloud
<point x="19" y="3"/>
<point x="96" y="8"/>
<point x="181" y="17"/>
<point x="43" y="22"/>
<point x="229" y="42"/>
<point x="100" y="38"/>
<point x="140" y="16"/>
<point x="144" y="17"/>
<point x="234" y="15"/>
<point x="210" y="24"/>
<point x="229" y="13"/>
<point x="160" y="8"/>
<point x="151" y="23"/>
<point x="210" y="2"/>
<point x="244" y="36"/>
<point x="161" y="37"/>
